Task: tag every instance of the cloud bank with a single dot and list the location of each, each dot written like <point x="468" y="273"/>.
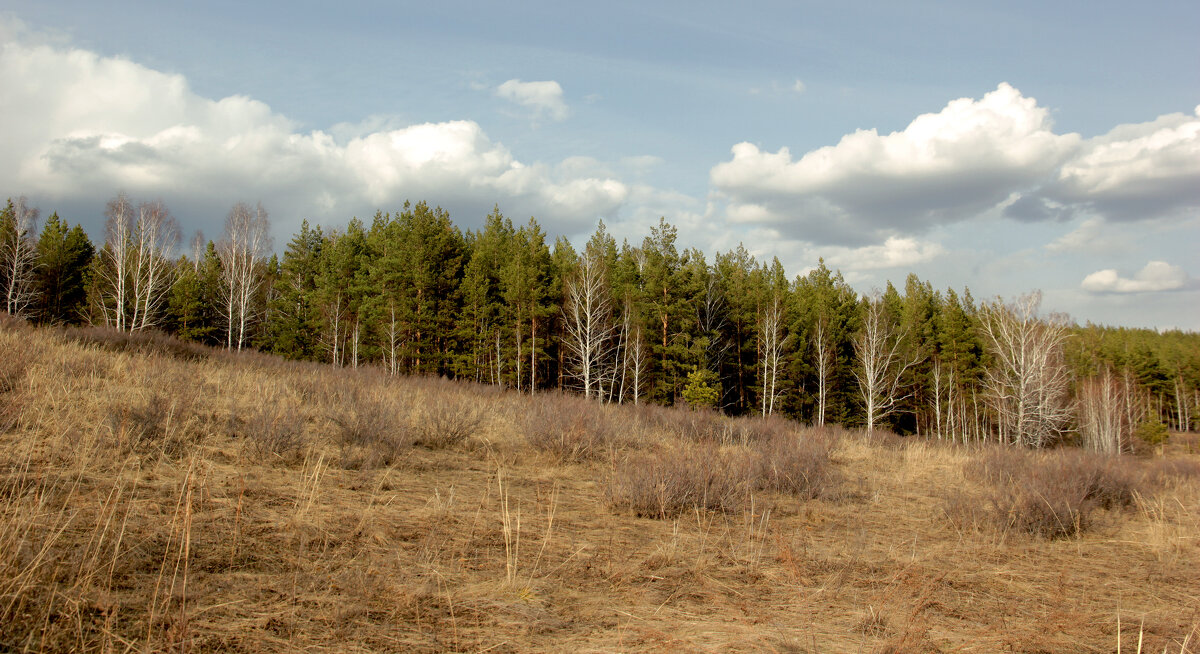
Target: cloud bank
<point x="79" y="126"/>
<point x="974" y="156"/>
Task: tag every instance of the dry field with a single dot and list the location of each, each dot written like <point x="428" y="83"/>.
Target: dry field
<point x="157" y="497"/>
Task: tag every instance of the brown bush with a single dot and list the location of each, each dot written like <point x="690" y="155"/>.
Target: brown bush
<point x="273" y="431"/>
<point x="1045" y="494"/>
<point x="161" y="421"/>
<point x="369" y="429"/>
<point x="445" y="421"/>
<point x="675" y="479"/>
<point x="796" y="464"/>
<point x="572" y="428"/>
<point x="698" y="425"/>
<point x="1164" y="472"/>
<point x="151" y="342"/>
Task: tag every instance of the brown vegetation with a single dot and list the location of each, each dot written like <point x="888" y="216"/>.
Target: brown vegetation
<point x="160" y="497"/>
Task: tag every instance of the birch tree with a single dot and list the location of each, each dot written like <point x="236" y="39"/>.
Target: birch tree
<point x="155" y="236"/>
<point x="771" y="334"/>
<point x="588" y="317"/>
<point x="883" y="361"/>
<point x="1104" y="425"/>
<point x="133" y="272"/>
<point x="824" y="354"/>
<point x="18" y="255"/>
<point x="1028" y="382"/>
<point x="247" y="239"/>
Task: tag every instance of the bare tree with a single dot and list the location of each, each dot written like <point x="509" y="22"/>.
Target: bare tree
<point x="198" y="246"/>
<point x="770" y="334"/>
<point x="115" y="264"/>
<point x="247" y="239"/>
<point x="823" y="351"/>
<point x="1104" y="425"/>
<point x="588" y="317"/>
<point x="156" y="234"/>
<point x="637" y="358"/>
<point x="18" y="257"/>
<point x="135" y="265"/>
<point x="882" y="362"/>
<point x="1029" y="381"/>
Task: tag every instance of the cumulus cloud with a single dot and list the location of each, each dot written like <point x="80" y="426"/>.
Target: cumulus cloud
<point x="1134" y="172"/>
<point x="1157" y="276"/>
<point x="893" y="253"/>
<point x="544" y="98"/>
<point x="995" y="153"/>
<point x="942" y="168"/>
<point x="79" y="126"/>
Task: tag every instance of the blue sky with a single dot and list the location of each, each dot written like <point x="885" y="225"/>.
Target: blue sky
<point x="1002" y="147"/>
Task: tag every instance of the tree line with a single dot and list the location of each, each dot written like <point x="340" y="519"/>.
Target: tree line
<point x="652" y="322"/>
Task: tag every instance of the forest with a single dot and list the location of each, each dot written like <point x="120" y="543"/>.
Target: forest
<point x="411" y="293"/>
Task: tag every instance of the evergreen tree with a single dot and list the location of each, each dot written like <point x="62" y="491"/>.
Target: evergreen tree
<point x="296" y="322"/>
<point x="64" y="255"/>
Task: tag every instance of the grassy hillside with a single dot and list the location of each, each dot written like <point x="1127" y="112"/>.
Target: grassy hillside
<point x="156" y="496"/>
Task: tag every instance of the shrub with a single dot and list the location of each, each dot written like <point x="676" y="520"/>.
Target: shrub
<point x="1050" y="495"/>
<point x="1153" y="433"/>
<point x="160" y="423"/>
<point x="699" y="425"/>
<point x="143" y="342"/>
<point x="703" y="389"/>
<point x="272" y="431"/>
<point x="572" y="428"/>
<point x="445" y="422"/>
<point x="797" y="464"/>
<point x="368" y="429"/>
<point x="673" y="480"/>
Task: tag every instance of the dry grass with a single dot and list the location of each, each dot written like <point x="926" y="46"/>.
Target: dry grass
<point x="156" y="499"/>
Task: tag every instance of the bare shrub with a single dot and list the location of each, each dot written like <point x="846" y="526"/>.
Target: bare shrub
<point x="796" y="464"/>
<point x="273" y="431"/>
<point x="1051" y="495"/>
<point x="572" y="428"/>
<point x="699" y="425"/>
<point x="673" y="480"/>
<point x="445" y="421"/>
<point x="1165" y="472"/>
<point x="151" y="342"/>
<point x="152" y="424"/>
<point x="14" y="365"/>
<point x="757" y="429"/>
<point x="369" y="429"/>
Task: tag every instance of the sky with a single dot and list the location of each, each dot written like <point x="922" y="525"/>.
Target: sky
<point x="999" y="147"/>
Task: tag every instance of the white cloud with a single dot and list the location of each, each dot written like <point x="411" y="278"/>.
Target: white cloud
<point x="799" y="87"/>
<point x="1156" y="276"/>
<point x="1136" y="171"/>
<point x="942" y="168"/>
<point x="893" y="253"/>
<point x="545" y="98"/>
<point x="78" y="127"/>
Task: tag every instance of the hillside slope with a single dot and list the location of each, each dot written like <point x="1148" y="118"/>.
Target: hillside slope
<point x="156" y="496"/>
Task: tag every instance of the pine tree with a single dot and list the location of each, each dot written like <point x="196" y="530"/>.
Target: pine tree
<point x="64" y="255"/>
